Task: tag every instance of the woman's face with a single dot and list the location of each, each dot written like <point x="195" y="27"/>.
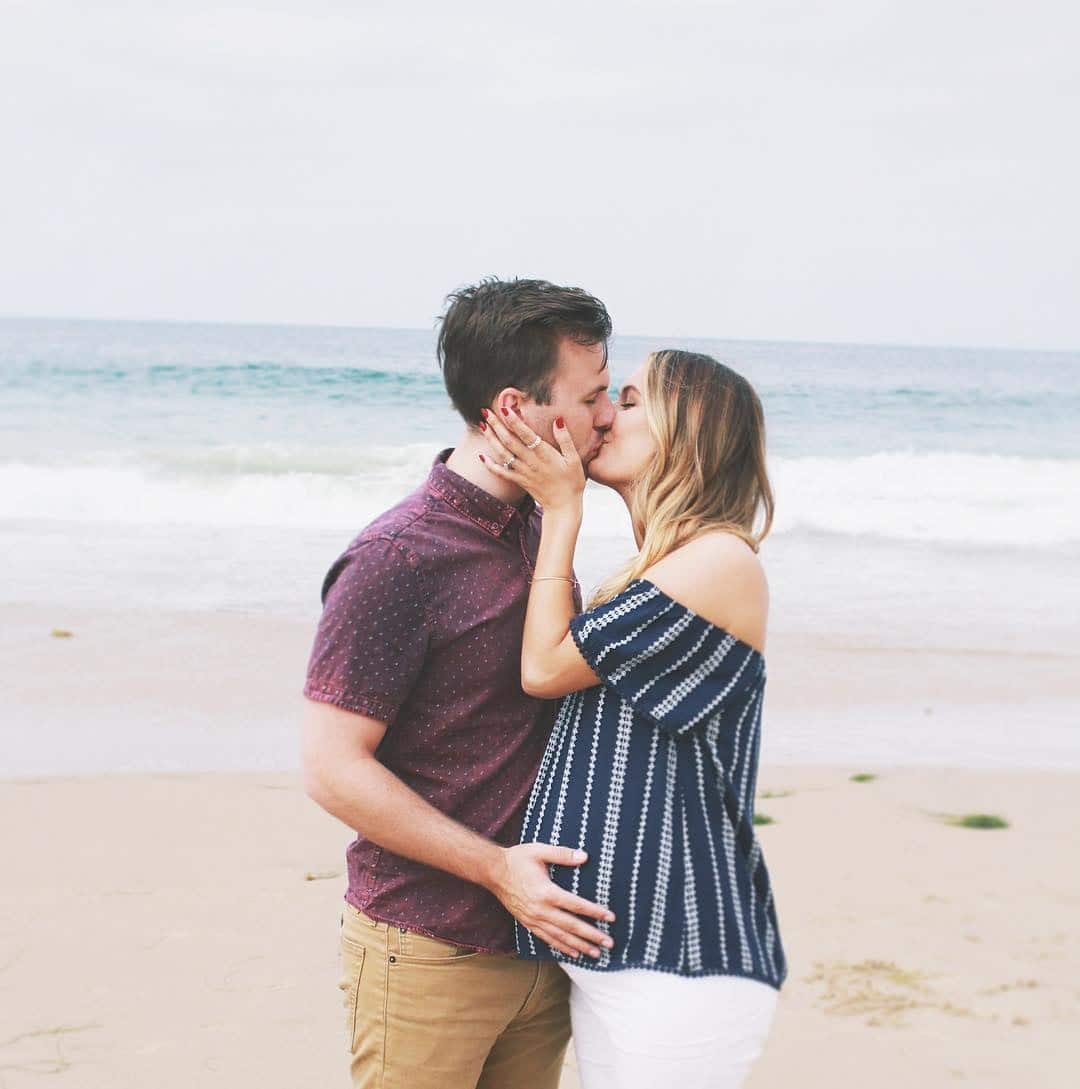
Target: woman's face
<point x="628" y="447"/>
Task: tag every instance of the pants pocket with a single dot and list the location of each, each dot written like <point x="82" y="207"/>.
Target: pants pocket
<point x="352" y="967"/>
<point x="414" y="948"/>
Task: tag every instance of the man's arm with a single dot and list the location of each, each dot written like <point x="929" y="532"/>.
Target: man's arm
<point x="343" y="776"/>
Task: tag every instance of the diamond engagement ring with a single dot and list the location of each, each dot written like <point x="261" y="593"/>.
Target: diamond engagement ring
<point x="510" y="463"/>
<point x="533" y="445"/>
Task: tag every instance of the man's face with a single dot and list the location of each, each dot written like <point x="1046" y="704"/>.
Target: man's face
<point x="579" y="394"/>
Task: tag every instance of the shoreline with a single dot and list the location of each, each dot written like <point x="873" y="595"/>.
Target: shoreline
<point x="837" y="589"/>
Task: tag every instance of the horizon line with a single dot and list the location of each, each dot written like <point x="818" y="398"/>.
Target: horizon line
<point x="228" y="323"/>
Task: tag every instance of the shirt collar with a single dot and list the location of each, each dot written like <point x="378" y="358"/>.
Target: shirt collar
<point x="479" y="506"/>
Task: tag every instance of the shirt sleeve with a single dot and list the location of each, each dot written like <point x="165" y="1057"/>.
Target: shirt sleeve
<point x="674" y="667"/>
<point x="371" y="641"/>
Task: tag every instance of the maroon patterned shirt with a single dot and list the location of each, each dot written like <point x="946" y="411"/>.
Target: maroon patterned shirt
<point x="421" y="629"/>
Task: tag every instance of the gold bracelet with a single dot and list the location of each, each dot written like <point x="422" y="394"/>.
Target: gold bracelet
<point x="554" y="578"/>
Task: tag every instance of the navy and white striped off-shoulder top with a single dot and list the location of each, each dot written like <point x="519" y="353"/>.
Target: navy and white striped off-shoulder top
<point x="653" y="773"/>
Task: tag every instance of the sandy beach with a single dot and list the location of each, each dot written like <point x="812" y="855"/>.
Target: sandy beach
<point x="180" y="929"/>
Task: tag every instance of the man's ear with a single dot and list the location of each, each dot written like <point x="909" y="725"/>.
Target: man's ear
<point x="511" y="399"/>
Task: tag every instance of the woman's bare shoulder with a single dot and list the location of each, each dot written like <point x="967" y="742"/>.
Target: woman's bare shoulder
<point x="720" y="577"/>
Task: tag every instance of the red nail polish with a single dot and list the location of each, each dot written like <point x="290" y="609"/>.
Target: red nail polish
<point x="559" y="422"/>
<point x="485" y="413"/>
<point x="480" y="456"/>
<point x="483" y="426"/>
<point x="506" y="411"/>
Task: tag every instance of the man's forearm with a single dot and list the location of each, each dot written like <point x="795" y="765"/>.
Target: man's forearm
<point x="357" y="789"/>
<point x="373" y="801"/>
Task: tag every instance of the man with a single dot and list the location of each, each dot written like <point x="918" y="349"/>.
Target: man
<point x="417" y="733"/>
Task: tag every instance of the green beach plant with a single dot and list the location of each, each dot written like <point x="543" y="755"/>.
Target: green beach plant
<point x="977" y="820"/>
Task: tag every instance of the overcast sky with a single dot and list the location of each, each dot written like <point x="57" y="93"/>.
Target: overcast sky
<point x="853" y="171"/>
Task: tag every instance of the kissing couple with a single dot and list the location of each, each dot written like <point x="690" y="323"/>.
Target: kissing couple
<point x="553" y="799"/>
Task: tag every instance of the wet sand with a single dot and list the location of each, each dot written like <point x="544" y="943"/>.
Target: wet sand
<point x="150" y="691"/>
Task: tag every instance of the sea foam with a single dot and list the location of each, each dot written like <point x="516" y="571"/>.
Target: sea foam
<point x="959" y="498"/>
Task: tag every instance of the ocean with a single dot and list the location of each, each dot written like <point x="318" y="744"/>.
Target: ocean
<point x="121" y="437"/>
<point x="926" y="497"/>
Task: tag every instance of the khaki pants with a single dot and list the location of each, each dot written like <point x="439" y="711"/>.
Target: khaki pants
<point x="423" y="1014"/>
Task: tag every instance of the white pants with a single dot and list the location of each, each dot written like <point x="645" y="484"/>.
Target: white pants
<point x="638" y="1029"/>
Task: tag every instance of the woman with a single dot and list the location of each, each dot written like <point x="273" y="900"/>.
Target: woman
<point x="652" y="765"/>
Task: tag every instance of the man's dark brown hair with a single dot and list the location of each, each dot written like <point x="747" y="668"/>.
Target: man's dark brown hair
<point x="501" y="333"/>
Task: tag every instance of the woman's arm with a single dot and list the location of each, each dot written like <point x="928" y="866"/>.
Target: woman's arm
<point x="551" y="664"/>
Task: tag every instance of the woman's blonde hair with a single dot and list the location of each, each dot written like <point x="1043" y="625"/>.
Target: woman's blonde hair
<point x="709" y="469"/>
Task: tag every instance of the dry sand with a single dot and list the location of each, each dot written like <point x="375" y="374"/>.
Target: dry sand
<point x="179" y="931"/>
